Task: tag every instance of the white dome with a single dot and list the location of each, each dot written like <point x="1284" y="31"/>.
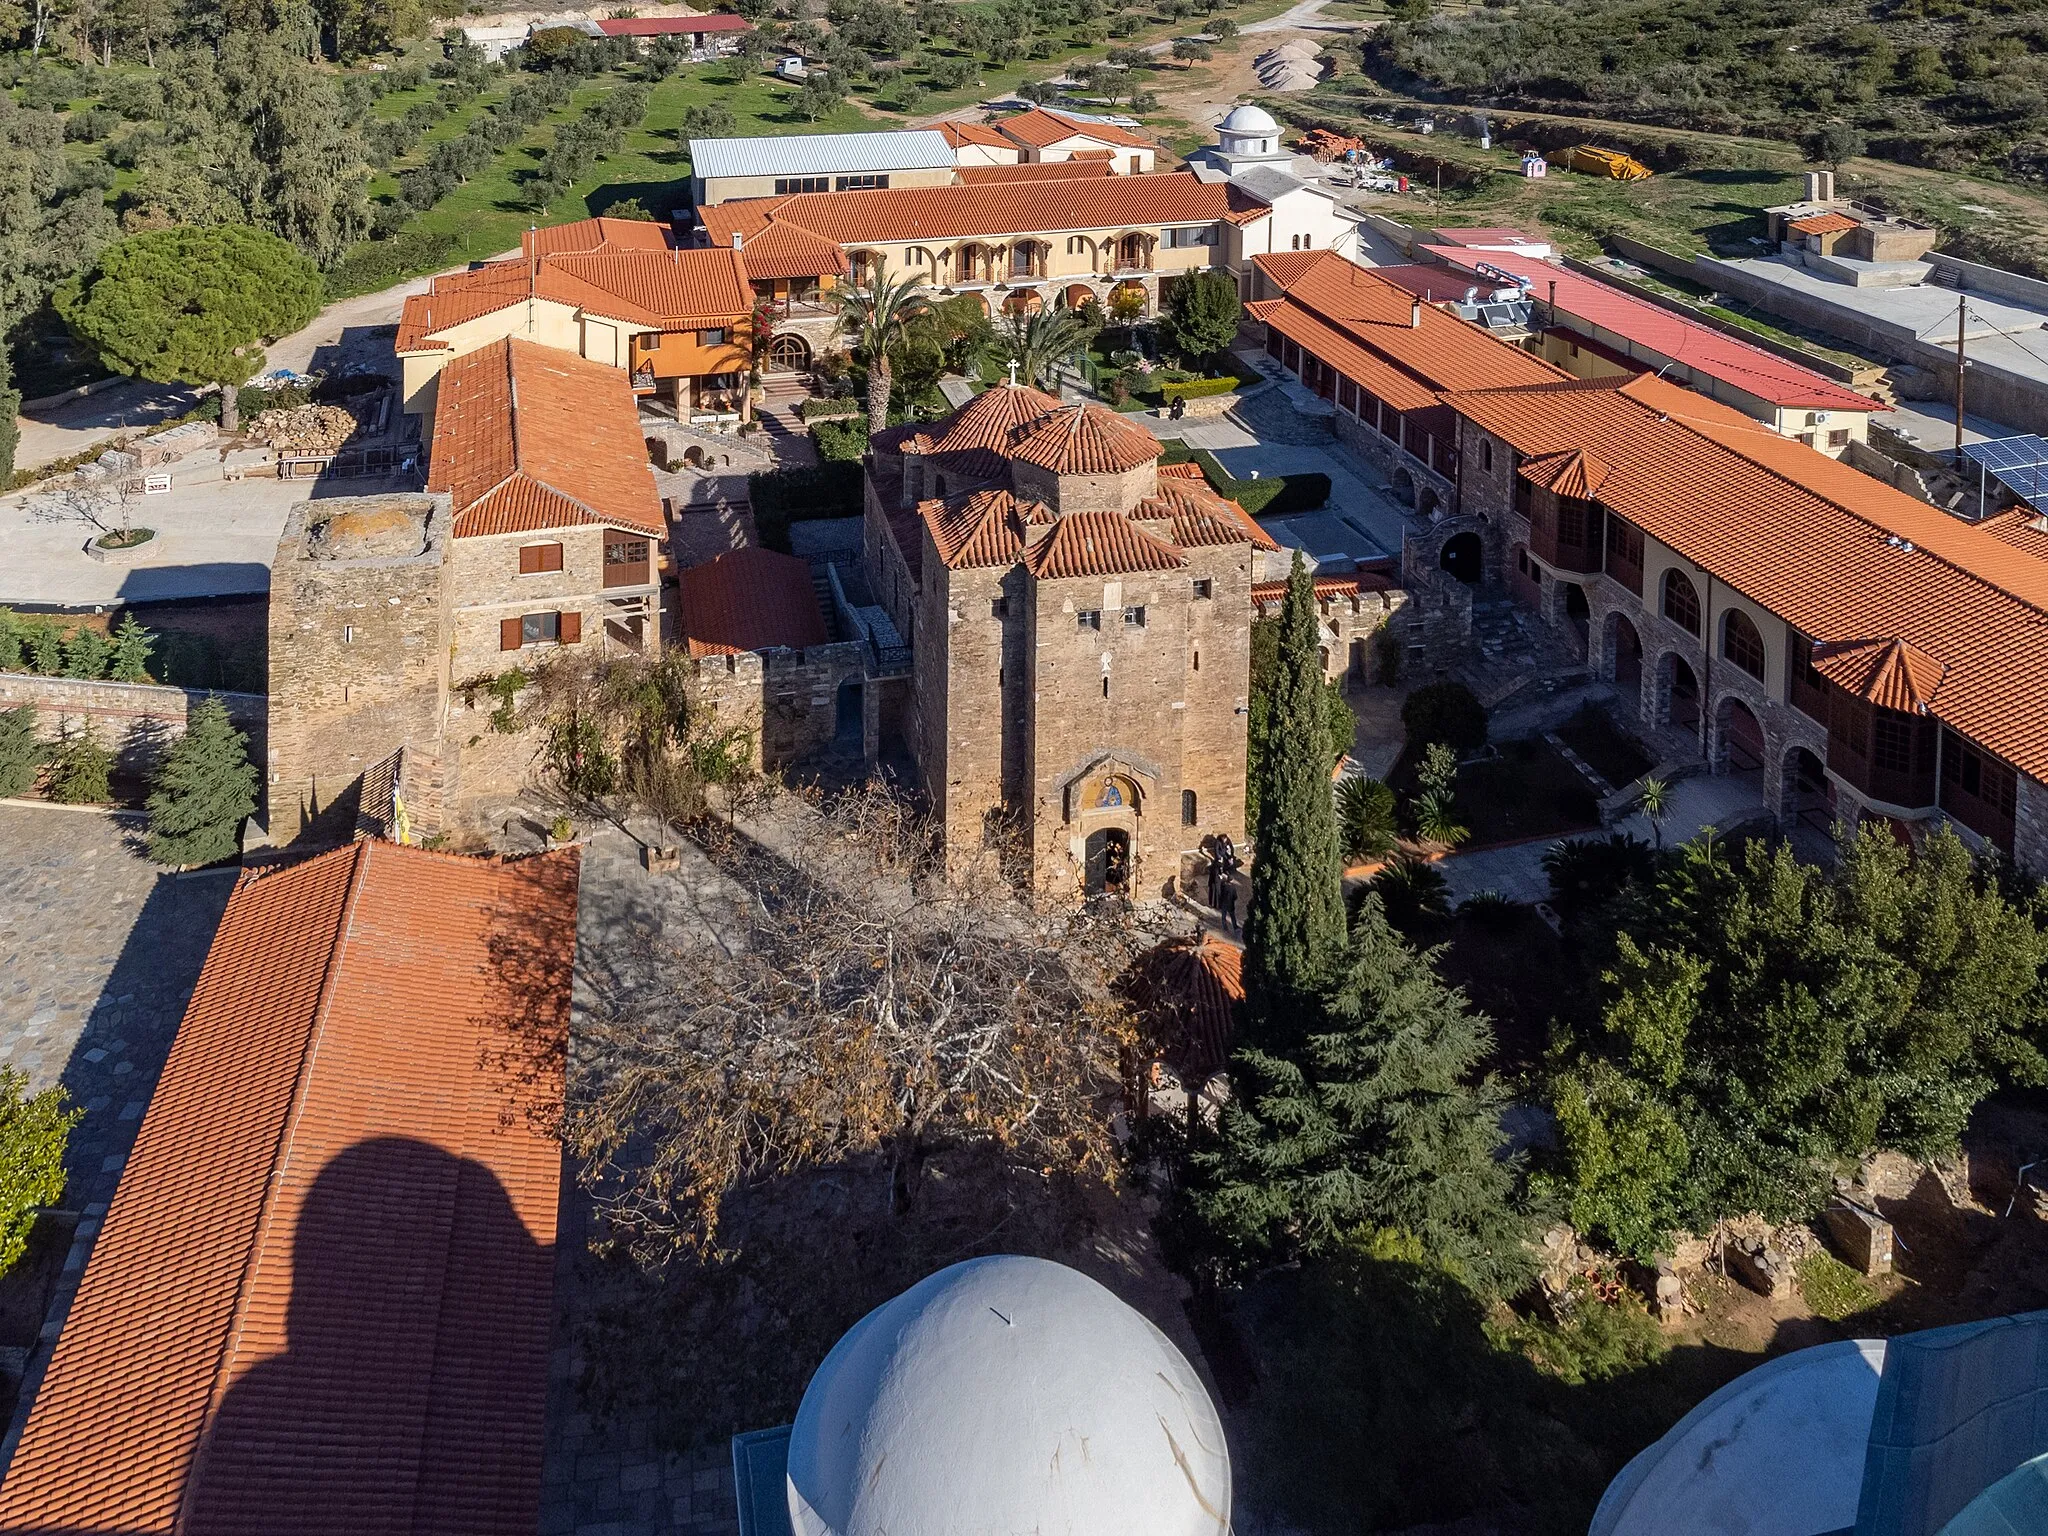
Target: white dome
<point x="1007" y="1397"/>
<point x="1249" y="119"/>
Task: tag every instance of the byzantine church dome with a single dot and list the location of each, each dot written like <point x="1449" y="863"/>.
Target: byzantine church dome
<point x="1007" y="1396"/>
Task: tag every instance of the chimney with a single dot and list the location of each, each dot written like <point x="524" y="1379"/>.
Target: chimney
<point x="1820" y="186"/>
<point x="738" y="240"/>
<point x="1415" y="315"/>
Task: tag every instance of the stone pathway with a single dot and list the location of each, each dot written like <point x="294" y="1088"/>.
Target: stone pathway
<point x="99" y="952"/>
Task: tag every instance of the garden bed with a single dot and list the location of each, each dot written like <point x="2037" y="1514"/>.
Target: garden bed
<point x="1609" y="750"/>
<point x="1527" y="790"/>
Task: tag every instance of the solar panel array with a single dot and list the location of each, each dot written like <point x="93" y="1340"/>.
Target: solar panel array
<point x="2020" y="464"/>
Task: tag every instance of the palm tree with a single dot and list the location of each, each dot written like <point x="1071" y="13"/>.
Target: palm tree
<point x="1039" y="344"/>
<point x="1656" y="804"/>
<point x="875" y="318"/>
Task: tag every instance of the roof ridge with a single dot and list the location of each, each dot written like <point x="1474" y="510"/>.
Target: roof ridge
<point x="358" y="852"/>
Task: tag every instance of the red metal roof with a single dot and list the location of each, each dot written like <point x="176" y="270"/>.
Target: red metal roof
<point x="749" y="600"/>
<point x="1672" y="337"/>
<point x="320" y="1303"/>
<point x="527" y="437"/>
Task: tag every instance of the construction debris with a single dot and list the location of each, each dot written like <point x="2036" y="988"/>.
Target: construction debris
<point x="1590" y="160"/>
<point x="1326" y="146"/>
<point x="313" y="429"/>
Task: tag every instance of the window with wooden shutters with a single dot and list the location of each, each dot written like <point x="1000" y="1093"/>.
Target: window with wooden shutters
<point x="539" y="628"/>
<point x="509" y="634"/>
<point x="569" y="627"/>
<point x="535" y="558"/>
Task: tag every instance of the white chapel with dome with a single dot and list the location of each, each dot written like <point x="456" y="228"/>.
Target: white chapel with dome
<point x="1250" y="152"/>
<point x="1003" y="1396"/>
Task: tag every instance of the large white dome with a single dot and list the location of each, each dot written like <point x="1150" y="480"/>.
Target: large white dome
<point x="1007" y="1397"/>
<point x="1249" y="119"/>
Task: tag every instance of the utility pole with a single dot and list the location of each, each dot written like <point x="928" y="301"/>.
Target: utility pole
<point x="1959" y="380"/>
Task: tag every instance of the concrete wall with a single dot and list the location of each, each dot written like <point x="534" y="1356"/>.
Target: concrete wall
<point x="1978" y="278"/>
<point x="135" y="721"/>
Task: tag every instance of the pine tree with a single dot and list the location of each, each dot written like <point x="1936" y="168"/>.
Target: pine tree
<point x="80" y="771"/>
<point x="132" y="647"/>
<point x="202" y="791"/>
<point x="1295" y="930"/>
<point x="86" y="654"/>
<point x="45" y="649"/>
<point x="1372" y="1120"/>
<point x="21" y="755"/>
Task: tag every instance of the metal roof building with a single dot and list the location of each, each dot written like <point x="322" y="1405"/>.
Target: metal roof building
<point x="813" y="154"/>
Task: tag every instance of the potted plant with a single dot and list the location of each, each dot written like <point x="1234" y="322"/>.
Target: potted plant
<point x="561" y="832"/>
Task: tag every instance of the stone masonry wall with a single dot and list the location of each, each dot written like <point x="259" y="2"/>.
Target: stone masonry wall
<point x="787" y="701"/>
<point x="135" y="721"/>
<point x="357" y="668"/>
<point x="2030" y="827"/>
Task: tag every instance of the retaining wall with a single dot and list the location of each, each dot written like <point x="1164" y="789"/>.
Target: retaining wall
<point x="135" y="721"/>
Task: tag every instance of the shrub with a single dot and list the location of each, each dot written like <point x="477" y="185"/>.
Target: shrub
<point x="378" y="264"/>
<point x="1365" y="818"/>
<point x="1411" y="891"/>
<point x="80" y="770"/>
<point x="1489" y="909"/>
<point x="826" y="406"/>
<point x="1198" y="389"/>
<point x="1585" y="871"/>
<point x="784" y="496"/>
<point x="33" y="1131"/>
<point x="1444" y="712"/>
<point x="1270" y="495"/>
<point x="91" y="125"/>
<point x="21" y="755"/>
<point x="841" y="440"/>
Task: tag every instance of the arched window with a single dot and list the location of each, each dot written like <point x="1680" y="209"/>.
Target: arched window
<point x="1294" y="242"/>
<point x="1741" y="643"/>
<point x="919" y="256"/>
<point x="1189" y="816"/>
<point x="1681" y="602"/>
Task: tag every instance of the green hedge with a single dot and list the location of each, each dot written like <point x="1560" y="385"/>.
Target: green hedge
<point x="822" y="407"/>
<point x="840" y="440"/>
<point x="784" y="496"/>
<point x="1196" y="389"/>
<point x="376" y="264"/>
<point x="1269" y="495"/>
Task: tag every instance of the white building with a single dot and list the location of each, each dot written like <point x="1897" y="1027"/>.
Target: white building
<point x="1251" y="154"/>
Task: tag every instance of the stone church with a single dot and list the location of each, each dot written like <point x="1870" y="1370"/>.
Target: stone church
<point x="1079" y="621"/>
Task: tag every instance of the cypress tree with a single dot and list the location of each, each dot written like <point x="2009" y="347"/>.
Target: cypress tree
<point x="1373" y="1119"/>
<point x="203" y="790"/>
<point x="1294" y="933"/>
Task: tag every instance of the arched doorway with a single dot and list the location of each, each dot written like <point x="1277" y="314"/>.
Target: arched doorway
<point x="1809" y="795"/>
<point x="1403" y="486"/>
<point x="1108" y="867"/>
<point x="1624" y="652"/>
<point x="1077" y="295"/>
<point x="1680" y="691"/>
<point x="1739" y="738"/>
<point x="1463" y="557"/>
<point x="846" y="713"/>
<point x="1426" y="501"/>
<point x="1578" y="614"/>
<point x="1023" y="301"/>
<point x="789" y="353"/>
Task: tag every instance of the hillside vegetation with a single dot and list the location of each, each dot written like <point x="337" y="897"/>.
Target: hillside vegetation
<point x="1941" y="83"/>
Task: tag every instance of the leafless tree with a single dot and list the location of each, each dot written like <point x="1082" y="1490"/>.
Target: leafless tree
<point x="106" y="504"/>
<point x="865" y="1006"/>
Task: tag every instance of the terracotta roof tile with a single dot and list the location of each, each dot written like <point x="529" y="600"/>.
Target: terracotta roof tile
<point x="2022" y="528"/>
<point x="984" y="134"/>
<point x="1271" y="594"/>
<point x="1575" y="473"/>
<point x="596" y="235"/>
<point x="1190" y="992"/>
<point x="1027" y="207"/>
<point x="749" y="600"/>
<point x="1185" y="470"/>
<point x="1083" y="440"/>
<point x="1032" y="170"/>
<point x="1834" y="553"/>
<point x="789" y="250"/>
<point x="528" y="437"/>
<point x="667" y="289"/>
<point x="320" y="1302"/>
<point x="456" y="298"/>
<point x="1823" y="224"/>
<point x="1888" y="673"/>
<point x="1099" y="544"/>
<point x="1200" y="517"/>
<point x="981" y="528"/>
<point x="1041" y="129"/>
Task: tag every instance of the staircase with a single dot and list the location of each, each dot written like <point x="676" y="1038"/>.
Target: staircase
<point x="788" y="438"/>
<point x="1514" y="653"/>
<point x="821" y="584"/>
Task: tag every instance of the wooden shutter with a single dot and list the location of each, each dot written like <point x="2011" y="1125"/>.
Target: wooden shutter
<point x="508" y="634"/>
<point x="572" y="628"/>
<point x="551" y="557"/>
<point x="529" y="559"/>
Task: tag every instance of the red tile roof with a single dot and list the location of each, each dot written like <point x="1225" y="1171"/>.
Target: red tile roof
<point x="981" y="528"/>
<point x="1083" y="440"/>
<point x="1099" y="544"/>
<point x="1576" y="473"/>
<point x="1836" y="554"/>
<point x="789" y="250"/>
<point x="596" y="235"/>
<point x="1014" y="208"/>
<point x="527" y="437"/>
<point x="1889" y="673"/>
<point x="1032" y="170"/>
<point x="671" y="26"/>
<point x="1190" y="992"/>
<point x="1673" y="337"/>
<point x="1185" y="470"/>
<point x="666" y="289"/>
<point x="1041" y="129"/>
<point x="1271" y="594"/>
<point x="320" y="1302"/>
<point x="1369" y="330"/>
<point x="1823" y="224"/>
<point x="985" y="134"/>
<point x="749" y="600"/>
